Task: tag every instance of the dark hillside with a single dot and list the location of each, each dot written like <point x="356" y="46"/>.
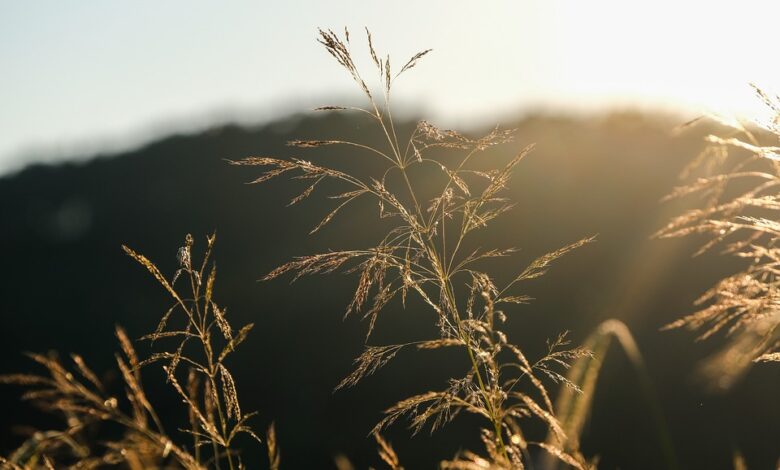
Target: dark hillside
<point x="66" y="283"/>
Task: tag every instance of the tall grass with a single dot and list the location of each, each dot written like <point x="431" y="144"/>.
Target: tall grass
<point x="423" y="253"/>
<point x="738" y="182"/>
<point x="200" y="340"/>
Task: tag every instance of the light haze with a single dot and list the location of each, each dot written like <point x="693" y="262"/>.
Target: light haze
<point x="89" y="76"/>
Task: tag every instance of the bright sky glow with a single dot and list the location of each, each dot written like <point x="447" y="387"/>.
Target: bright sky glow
<point x="84" y="76"/>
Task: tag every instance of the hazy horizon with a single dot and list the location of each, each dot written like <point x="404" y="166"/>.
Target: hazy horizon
<point x="84" y="149"/>
<point x="104" y="78"/>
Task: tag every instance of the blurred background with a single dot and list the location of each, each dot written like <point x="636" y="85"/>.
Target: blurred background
<point x="117" y="118"/>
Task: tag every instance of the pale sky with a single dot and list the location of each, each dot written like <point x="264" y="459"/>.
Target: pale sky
<point x="79" y="77"/>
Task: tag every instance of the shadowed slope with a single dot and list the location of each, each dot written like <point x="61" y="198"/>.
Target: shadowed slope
<point x="66" y="282"/>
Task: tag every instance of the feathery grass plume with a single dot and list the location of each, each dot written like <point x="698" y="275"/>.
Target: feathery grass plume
<point x="740" y="186"/>
<point x="83" y="402"/>
<point x="215" y="416"/>
<point x="424" y="252"/>
<point x="387" y="453"/>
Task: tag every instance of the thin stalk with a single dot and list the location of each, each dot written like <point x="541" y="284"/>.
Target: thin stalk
<point x="206" y="342"/>
<point x="451" y="298"/>
<point x="483" y="389"/>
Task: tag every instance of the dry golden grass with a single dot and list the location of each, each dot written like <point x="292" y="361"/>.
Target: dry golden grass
<point x="194" y="366"/>
<point x="739" y="214"/>
<point x="423" y="253"/>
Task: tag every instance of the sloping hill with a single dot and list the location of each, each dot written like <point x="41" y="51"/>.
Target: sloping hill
<point x="65" y="283"/>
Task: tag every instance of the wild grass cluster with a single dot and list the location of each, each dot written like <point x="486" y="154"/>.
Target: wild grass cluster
<point x="199" y="338"/>
<point x="435" y="194"/>
<point x="737" y="177"/>
<point x="423" y="254"/>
